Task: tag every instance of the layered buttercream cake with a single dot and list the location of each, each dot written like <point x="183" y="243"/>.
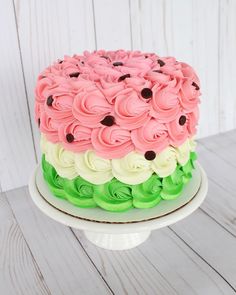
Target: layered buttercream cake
<point x="117" y="128"/>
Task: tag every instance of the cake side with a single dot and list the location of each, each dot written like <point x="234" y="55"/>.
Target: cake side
<point x="118" y="117"/>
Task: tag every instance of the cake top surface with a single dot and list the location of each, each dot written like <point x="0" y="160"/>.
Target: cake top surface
<point x="116" y="102"/>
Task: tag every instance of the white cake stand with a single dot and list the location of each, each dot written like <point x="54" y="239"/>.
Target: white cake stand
<point x="119" y="231"/>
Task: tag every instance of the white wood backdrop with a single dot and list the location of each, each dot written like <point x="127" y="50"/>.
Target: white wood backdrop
<point x="34" y="33"/>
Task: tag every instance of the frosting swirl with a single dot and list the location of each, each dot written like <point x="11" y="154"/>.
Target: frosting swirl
<point x="165" y="102"/>
<point x="93" y="168"/>
<point x="111" y="142"/>
<point x="81" y="136"/>
<point x="90" y="107"/>
<point x="152" y="135"/>
<point x="147" y="194"/>
<point x="62" y="160"/>
<point x="113" y="196"/>
<point x="131" y="111"/>
<point x="79" y="192"/>
<point x="132" y="169"/>
<point x="165" y="163"/>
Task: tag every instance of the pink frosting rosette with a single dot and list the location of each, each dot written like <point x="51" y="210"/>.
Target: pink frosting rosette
<point x="61" y="105"/>
<point x="112" y="142"/>
<point x="189" y="94"/>
<point x="44" y="86"/>
<point x="49" y="127"/>
<point x="75" y="137"/>
<point x="110" y="89"/>
<point x="152" y="136"/>
<point x="193" y="118"/>
<point x="182" y="127"/>
<point x="165" y="102"/>
<point x="90" y="107"/>
<point x="138" y="84"/>
<point x="158" y="77"/>
<point x="171" y="67"/>
<point x="188" y="71"/>
<point x="131" y="111"/>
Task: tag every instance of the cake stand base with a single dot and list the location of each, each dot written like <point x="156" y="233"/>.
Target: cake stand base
<point x="119" y="231"/>
<point x="117" y="241"/>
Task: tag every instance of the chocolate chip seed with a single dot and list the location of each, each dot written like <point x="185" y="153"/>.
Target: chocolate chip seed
<point x="161" y="62"/>
<point x="150" y="155"/>
<point x="123" y="77"/>
<point x="108" y="121"/>
<point x="182" y="120"/>
<point x="158" y="71"/>
<point x="39" y="122"/>
<point x="146" y="93"/>
<point x="195" y="85"/>
<point x="49" y="101"/>
<point x="70" y="137"/>
<point x="117" y="63"/>
<point x="74" y="75"/>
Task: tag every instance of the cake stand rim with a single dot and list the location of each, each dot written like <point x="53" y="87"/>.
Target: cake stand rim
<point x="129" y="227"/>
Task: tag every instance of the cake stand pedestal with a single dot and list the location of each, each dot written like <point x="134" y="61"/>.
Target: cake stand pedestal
<point x="119" y="231"/>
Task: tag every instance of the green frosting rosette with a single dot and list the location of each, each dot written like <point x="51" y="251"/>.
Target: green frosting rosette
<point x="147" y="194"/>
<point x="116" y="196"/>
<point x="113" y="196"/>
<point x="79" y="192"/>
<point x="55" y="182"/>
<point x="174" y="184"/>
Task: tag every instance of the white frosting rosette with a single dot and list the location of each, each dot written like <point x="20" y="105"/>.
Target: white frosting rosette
<point x="182" y="153"/>
<point x="165" y="162"/>
<point x="132" y="169"/>
<point x="44" y="144"/>
<point x="62" y="160"/>
<point x="192" y="144"/>
<point x="93" y="168"/>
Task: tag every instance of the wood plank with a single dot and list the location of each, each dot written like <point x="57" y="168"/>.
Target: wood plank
<point x="47" y="31"/>
<point x="221" y="206"/>
<point x="223" y="146"/>
<point x="217" y="169"/>
<point x="227" y="63"/>
<point x="211" y="242"/>
<point x="19" y="273"/>
<point x="162" y="265"/>
<point x="207" y="237"/>
<point x="16" y="148"/>
<point x="150" y="24"/>
<point x="61" y="259"/>
<point x="112" y="23"/>
<point x="217" y="154"/>
<point x="232" y="135"/>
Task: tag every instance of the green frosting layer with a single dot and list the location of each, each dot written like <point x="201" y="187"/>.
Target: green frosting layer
<point x="117" y="196"/>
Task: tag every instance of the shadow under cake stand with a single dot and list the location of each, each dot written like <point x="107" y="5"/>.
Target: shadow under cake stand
<point x="119" y="231"/>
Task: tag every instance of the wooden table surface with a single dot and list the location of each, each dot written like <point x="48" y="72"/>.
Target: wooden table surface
<point x="195" y="256"/>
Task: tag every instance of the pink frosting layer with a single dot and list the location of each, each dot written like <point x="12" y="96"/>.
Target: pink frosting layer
<point x="145" y="94"/>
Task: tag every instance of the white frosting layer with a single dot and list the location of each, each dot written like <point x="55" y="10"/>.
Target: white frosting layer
<point x="131" y="169"/>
